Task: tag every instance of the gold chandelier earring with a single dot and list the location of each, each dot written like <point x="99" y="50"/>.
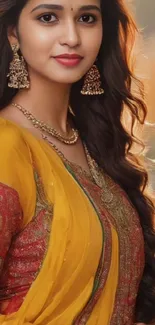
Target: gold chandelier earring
<point x="18" y="74"/>
<point x="92" y="82"/>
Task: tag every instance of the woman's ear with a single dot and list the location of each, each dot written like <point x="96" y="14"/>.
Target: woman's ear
<point x="12" y="35"/>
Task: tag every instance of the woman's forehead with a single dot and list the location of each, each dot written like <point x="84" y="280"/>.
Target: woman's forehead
<point x="73" y="5"/>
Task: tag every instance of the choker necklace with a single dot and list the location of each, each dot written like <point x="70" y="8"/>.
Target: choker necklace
<point x="70" y="138"/>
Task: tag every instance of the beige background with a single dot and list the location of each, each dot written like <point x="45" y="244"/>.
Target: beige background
<point x="144" y="12"/>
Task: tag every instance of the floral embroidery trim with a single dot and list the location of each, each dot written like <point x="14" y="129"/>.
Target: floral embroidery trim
<point x="131" y="254"/>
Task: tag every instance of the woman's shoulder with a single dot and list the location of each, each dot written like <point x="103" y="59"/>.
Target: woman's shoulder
<point x="11" y="137"/>
<point x="15" y="155"/>
<point x="8" y="131"/>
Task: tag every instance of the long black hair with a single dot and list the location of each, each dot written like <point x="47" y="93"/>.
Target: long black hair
<point x="99" y="120"/>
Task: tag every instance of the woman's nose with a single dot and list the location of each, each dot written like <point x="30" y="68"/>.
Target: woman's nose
<point x="70" y="35"/>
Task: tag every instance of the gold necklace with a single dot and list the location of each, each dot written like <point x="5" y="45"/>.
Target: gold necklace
<point x="43" y="127"/>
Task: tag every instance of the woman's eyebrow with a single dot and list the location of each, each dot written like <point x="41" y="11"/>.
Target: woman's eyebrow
<point x="59" y="7"/>
<point x="90" y="7"/>
<point x="48" y="6"/>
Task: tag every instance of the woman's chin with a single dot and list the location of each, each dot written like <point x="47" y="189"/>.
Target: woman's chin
<point x="65" y="80"/>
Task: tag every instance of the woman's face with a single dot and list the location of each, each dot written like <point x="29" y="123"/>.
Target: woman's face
<point x="49" y="28"/>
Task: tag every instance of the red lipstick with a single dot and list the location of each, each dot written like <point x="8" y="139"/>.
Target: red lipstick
<point x="69" y="60"/>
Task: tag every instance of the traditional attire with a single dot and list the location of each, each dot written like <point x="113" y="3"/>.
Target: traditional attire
<point x="71" y="252"/>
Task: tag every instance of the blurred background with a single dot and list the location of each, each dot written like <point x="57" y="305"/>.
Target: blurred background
<point x="144" y="12"/>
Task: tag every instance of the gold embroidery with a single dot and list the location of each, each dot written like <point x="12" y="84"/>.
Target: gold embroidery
<point x="117" y="208"/>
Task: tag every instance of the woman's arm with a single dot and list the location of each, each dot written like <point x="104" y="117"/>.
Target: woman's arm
<point x="10" y="224"/>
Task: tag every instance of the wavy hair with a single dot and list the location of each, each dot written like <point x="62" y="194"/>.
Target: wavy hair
<point x="99" y="121"/>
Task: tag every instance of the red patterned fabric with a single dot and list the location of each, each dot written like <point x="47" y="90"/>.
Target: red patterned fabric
<point x="10" y="222"/>
<point x="21" y="251"/>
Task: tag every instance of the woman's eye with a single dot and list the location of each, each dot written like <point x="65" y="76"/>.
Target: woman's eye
<point x="88" y="19"/>
<point x="48" y="18"/>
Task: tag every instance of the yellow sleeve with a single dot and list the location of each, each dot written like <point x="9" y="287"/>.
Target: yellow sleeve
<point x="16" y="168"/>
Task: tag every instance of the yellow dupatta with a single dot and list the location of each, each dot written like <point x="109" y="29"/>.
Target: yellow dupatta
<point x="66" y="279"/>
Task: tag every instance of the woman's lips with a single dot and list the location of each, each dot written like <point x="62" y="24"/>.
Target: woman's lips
<point x="68" y="60"/>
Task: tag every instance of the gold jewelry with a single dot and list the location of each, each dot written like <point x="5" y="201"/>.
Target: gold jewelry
<point x="18" y="74"/>
<point x="92" y="82"/>
<point x="43" y="127"/>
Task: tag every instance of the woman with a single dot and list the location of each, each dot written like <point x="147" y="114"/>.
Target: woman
<point x="77" y="242"/>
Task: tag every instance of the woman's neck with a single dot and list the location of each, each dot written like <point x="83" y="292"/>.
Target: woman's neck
<point x="46" y="101"/>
